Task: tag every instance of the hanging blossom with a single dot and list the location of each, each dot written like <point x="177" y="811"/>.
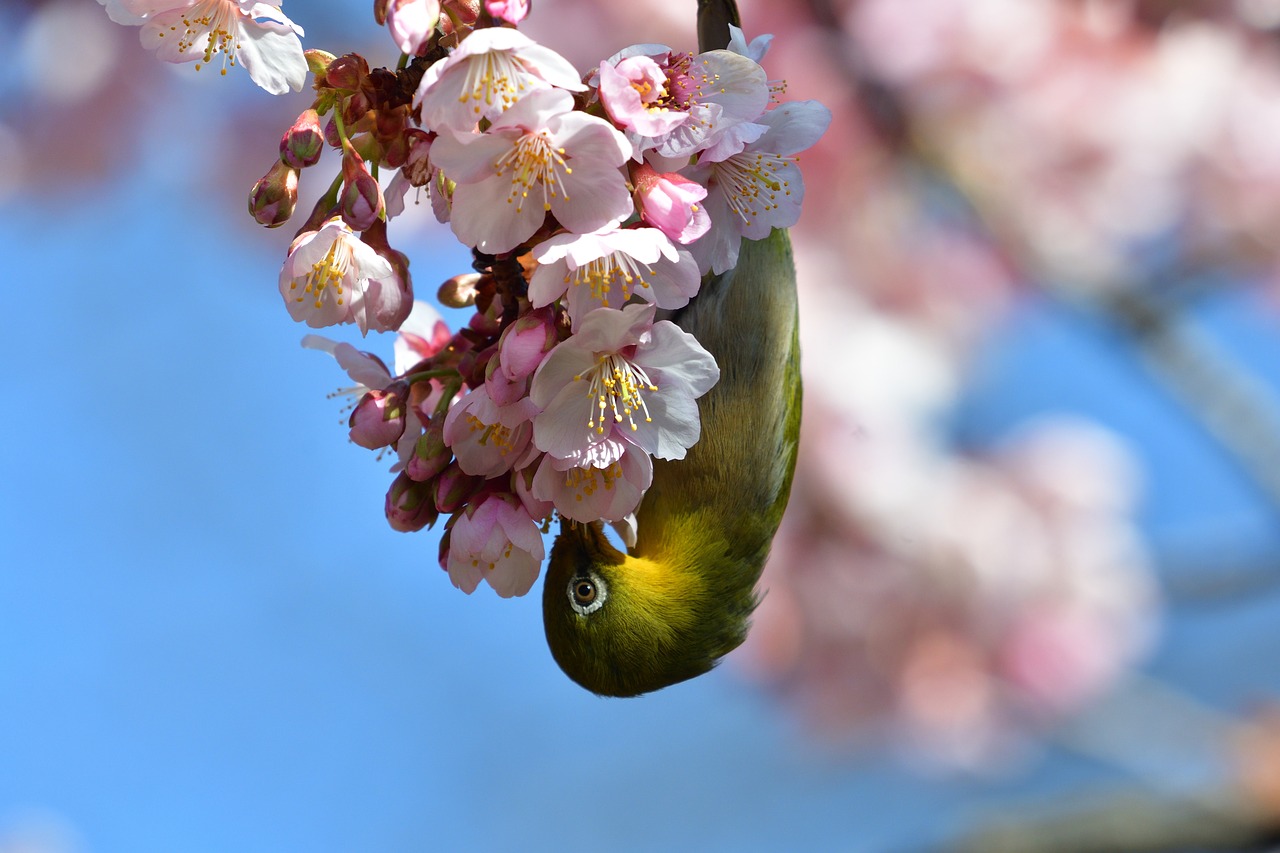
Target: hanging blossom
<point x="759" y="188"/>
<point x="487" y="440"/>
<point x="487" y="74"/>
<point x="497" y="541"/>
<point x="607" y="268"/>
<point x="585" y="492"/>
<point x="332" y="277"/>
<point x="622" y="377"/>
<point x="676" y="103"/>
<point x="256" y="35"/>
<point x="422" y="335"/>
<point x="538" y="156"/>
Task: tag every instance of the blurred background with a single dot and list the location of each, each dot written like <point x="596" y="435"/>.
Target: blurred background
<point x="1027" y="594"/>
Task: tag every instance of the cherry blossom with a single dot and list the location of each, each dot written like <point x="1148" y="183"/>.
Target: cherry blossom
<point x="695" y="97"/>
<point x="498" y="542"/>
<point x="622" y="377"/>
<point x="587" y="493"/>
<point x="484" y="445"/>
<point x="752" y="192"/>
<point x="422" y="335"/>
<point x="328" y="273"/>
<point x="256" y="35"/>
<point x="606" y="268"/>
<point x="487" y="74"/>
<point x="539" y="156"/>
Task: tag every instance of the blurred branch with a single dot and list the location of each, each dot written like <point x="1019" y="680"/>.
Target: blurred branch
<point x="1134" y="822"/>
<point x="1237" y="409"/>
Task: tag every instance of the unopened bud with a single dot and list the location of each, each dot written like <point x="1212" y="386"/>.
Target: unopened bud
<point x="454" y="488"/>
<point x="459" y="291"/>
<point x="410" y="505"/>
<point x="301" y="144"/>
<point x="347" y="72"/>
<point x="318" y="62"/>
<point x="361" y="201"/>
<point x="526" y="342"/>
<point x="378" y="419"/>
<point x="274" y="196"/>
<point x="430" y="455"/>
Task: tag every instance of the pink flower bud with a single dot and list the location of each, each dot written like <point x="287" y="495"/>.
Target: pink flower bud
<point x="511" y="11"/>
<point x="301" y="144"/>
<point x="409" y="505"/>
<point x="430" y="454"/>
<point x="526" y="342"/>
<point x="274" y="196"/>
<point x="503" y="390"/>
<point x="454" y="489"/>
<point x="346" y="72"/>
<point x="378" y="419"/>
<point x="671" y="203"/>
<point x="361" y="200"/>
<point x="412" y="23"/>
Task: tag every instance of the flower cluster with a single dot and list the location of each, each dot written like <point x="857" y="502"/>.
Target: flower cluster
<point x="590" y="203"/>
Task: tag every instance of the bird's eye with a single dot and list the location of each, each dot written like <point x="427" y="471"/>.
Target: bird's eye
<point x="587" y="594"/>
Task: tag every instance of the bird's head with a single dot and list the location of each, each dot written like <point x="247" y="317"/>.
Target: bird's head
<point x="621" y="625"/>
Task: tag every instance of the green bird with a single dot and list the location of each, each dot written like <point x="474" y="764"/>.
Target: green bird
<point x="623" y="624"/>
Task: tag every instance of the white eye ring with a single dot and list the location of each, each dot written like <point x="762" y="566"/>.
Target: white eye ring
<point x="587" y="594"/>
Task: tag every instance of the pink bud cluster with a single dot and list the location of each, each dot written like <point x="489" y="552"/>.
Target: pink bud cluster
<point x="589" y="204"/>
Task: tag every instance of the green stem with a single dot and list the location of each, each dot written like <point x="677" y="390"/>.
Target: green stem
<point x="424" y="375"/>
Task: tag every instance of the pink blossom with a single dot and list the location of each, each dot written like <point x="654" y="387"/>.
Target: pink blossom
<point x="671" y="202"/>
<point x="421" y="335"/>
<point x="702" y="96"/>
<point x="538" y="156"/>
<point x="587" y="493"/>
<point x="607" y="268"/>
<point x="411" y="23"/>
<point x="256" y="35"/>
<point x="496" y="541"/>
<point x="752" y="192"/>
<point x="633" y="91"/>
<point x="622" y="378"/>
<point x="483" y="444"/>
<point x="487" y="74"/>
<point x="327" y="273"/>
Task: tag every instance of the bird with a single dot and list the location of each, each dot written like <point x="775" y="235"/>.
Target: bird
<point x="628" y="623"/>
